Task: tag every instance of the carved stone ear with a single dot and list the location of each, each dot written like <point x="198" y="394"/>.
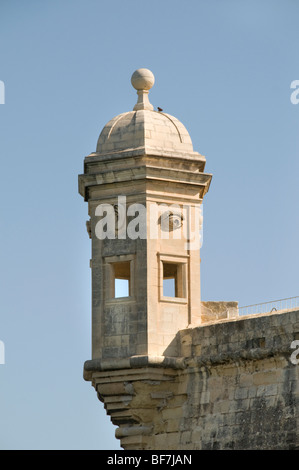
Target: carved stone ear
<point x="171" y="221"/>
<point x="88" y="228"/>
<point x="120" y="218"/>
<point x="115" y="207"/>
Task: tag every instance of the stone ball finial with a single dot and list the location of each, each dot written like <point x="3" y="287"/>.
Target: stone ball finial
<point x="142" y="79"/>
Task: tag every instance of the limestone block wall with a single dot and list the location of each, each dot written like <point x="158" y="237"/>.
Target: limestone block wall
<point x="242" y="387"/>
<point x="211" y="311"/>
<point x="233" y="385"/>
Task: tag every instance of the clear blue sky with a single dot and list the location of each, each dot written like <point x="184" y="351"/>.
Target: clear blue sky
<point x="224" y="68"/>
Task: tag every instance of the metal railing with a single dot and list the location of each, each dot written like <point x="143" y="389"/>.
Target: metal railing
<point x="268" y="307"/>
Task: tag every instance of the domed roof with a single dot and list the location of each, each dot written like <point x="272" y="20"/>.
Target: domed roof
<point x="144" y="128"/>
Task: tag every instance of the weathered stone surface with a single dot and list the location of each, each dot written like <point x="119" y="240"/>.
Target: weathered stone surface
<point x="211" y="311"/>
<point x="146" y="158"/>
<point x="175" y="373"/>
<point x="237" y="394"/>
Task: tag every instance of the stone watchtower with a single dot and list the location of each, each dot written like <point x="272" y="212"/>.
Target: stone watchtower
<point x="144" y="186"/>
<point x="174" y="372"/>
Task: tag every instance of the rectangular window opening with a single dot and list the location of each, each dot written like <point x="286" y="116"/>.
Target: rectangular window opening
<point x="122" y="281"/>
<point x="171" y="282"/>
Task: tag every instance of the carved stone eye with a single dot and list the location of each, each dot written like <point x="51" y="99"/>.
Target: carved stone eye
<point x="175" y="221"/>
<point x="171" y="221"/>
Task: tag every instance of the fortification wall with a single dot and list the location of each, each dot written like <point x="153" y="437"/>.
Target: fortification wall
<point x="241" y="384"/>
<point x="234" y="385"/>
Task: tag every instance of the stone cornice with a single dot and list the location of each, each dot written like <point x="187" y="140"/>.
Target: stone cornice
<point x="133" y="362"/>
<point x="194" y="157"/>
